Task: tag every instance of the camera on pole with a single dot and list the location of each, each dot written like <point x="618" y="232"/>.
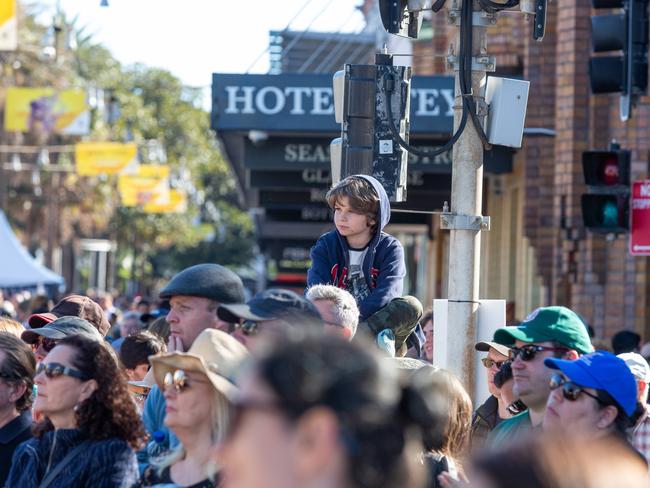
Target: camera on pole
<point x="366" y="98"/>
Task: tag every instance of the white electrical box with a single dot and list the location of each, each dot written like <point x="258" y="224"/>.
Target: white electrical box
<point x="507" y="100"/>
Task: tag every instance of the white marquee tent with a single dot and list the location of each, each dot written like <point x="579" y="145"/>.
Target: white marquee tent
<point x="18" y="269"/>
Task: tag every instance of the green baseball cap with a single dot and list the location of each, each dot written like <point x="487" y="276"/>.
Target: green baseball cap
<point x="558" y="324"/>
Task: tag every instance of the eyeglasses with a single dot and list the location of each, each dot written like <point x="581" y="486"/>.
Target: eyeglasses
<point x="54" y="370"/>
<point x="528" y="352"/>
<point x="488" y="363"/>
<point x="570" y="390"/>
<point x="249" y="327"/>
<point x="177" y="380"/>
<point x="45" y="343"/>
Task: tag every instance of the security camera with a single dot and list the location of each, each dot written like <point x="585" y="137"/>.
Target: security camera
<point x="258" y="137"/>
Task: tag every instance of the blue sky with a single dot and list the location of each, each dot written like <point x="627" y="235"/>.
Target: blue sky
<point x="194" y="38"/>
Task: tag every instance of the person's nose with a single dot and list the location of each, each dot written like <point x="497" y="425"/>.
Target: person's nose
<point x="169" y="392"/>
<point x="517" y="363"/>
<point x="40" y="353"/>
<point x="171" y="316"/>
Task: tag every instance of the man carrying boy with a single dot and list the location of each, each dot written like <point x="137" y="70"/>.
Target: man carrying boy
<point x="365" y="261"/>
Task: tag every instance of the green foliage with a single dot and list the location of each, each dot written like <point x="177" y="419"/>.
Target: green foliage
<point x="154" y="105"/>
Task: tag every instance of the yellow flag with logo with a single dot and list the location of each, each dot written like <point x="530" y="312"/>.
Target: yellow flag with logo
<point x="177" y="204"/>
<point x="8" y="26"/>
<point x="46" y="111"/>
<point x="150" y="185"/>
<point x="108" y="158"/>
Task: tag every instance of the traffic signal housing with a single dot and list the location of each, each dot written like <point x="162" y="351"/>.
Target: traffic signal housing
<point x="605" y="208"/>
<point x="398" y="20"/>
<point x="625" y="31"/>
<point x="367" y="145"/>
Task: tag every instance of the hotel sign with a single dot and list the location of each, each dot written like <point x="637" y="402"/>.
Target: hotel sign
<point x="304" y="103"/>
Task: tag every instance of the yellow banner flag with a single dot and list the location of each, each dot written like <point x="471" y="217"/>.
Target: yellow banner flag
<point x="8" y="26"/>
<point x="177" y="204"/>
<point x="44" y="110"/>
<point x="108" y="158"/>
<point x="150" y="185"/>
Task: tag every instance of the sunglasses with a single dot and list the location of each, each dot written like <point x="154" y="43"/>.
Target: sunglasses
<point x="45" y="343"/>
<point x="249" y="327"/>
<point x="54" y="370"/>
<point x="488" y="363"/>
<point x="177" y="380"/>
<point x="570" y="390"/>
<point x="528" y="352"/>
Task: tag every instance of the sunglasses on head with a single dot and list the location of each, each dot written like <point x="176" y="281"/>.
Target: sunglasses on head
<point x="177" y="380"/>
<point x="570" y="390"/>
<point x="529" y="351"/>
<point x="54" y="370"/>
<point x="45" y="343"/>
<point x="488" y="363"/>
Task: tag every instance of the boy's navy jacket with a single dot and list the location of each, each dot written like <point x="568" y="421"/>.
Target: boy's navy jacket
<point x="383" y="266"/>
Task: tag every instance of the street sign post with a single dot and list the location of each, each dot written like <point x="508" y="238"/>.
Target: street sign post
<point x="640" y="220"/>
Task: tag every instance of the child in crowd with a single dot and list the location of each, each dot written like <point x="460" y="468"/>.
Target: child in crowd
<point x="359" y="257"/>
<point x="135" y="352"/>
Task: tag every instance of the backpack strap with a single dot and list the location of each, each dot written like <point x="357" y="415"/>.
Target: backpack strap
<point x="62" y="464"/>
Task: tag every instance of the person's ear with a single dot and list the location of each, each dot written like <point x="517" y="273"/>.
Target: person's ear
<point x="17" y="390"/>
<point x="571" y="355"/>
<point x="88" y="388"/>
<point x="607" y="416"/>
<point x="317" y="442"/>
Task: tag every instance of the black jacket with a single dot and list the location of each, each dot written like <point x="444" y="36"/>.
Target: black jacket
<point x="485" y="418"/>
<point x="12" y="434"/>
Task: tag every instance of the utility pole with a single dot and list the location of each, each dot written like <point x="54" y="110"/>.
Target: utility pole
<point x="465" y="221"/>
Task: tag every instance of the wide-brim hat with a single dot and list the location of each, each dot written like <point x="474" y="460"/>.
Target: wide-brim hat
<point x="214" y="353"/>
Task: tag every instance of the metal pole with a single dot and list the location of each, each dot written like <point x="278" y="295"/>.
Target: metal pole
<point x="465" y="244"/>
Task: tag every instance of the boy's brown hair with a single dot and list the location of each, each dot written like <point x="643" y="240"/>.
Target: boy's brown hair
<point x="362" y="197"/>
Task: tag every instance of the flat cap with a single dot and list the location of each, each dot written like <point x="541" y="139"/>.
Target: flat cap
<point x="208" y="281"/>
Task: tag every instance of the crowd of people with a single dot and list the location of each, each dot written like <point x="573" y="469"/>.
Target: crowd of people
<point x="335" y="387"/>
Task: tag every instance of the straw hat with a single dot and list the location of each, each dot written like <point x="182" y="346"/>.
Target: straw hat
<point x="214" y="353"/>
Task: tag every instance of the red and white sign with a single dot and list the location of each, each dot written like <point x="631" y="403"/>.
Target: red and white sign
<point x="640" y="219"/>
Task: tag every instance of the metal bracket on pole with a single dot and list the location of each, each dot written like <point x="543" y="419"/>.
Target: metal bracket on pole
<point x="479" y="19"/>
<point x="479" y="63"/>
<point x="449" y="221"/>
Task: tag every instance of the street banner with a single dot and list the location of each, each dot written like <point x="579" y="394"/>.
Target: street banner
<point x="177" y="204"/>
<point x="46" y="111"/>
<point x="640" y="219"/>
<point x="8" y="26"/>
<point x="108" y="158"/>
<point x="150" y="185"/>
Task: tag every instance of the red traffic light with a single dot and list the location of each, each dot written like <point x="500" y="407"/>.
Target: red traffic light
<point x="606" y="168"/>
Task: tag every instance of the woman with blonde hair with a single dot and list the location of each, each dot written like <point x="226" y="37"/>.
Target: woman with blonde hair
<point x="198" y="389"/>
<point x="11" y="326"/>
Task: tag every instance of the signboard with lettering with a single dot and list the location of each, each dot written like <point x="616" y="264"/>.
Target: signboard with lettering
<point x="640" y="219"/>
<point x="304" y="103"/>
<point x="292" y="153"/>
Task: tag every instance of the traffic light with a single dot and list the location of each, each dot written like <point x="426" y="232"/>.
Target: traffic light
<point x="367" y="145"/>
<point x="625" y="31"/>
<point x="605" y="208"/>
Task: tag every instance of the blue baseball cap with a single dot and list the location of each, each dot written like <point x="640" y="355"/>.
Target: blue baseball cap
<point x="601" y="370"/>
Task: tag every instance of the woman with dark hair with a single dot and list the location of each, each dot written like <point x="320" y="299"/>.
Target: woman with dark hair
<point x="17" y="366"/>
<point x="595" y="395"/>
<point x="324" y="412"/>
<point x="90" y="425"/>
<point x="447" y="441"/>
